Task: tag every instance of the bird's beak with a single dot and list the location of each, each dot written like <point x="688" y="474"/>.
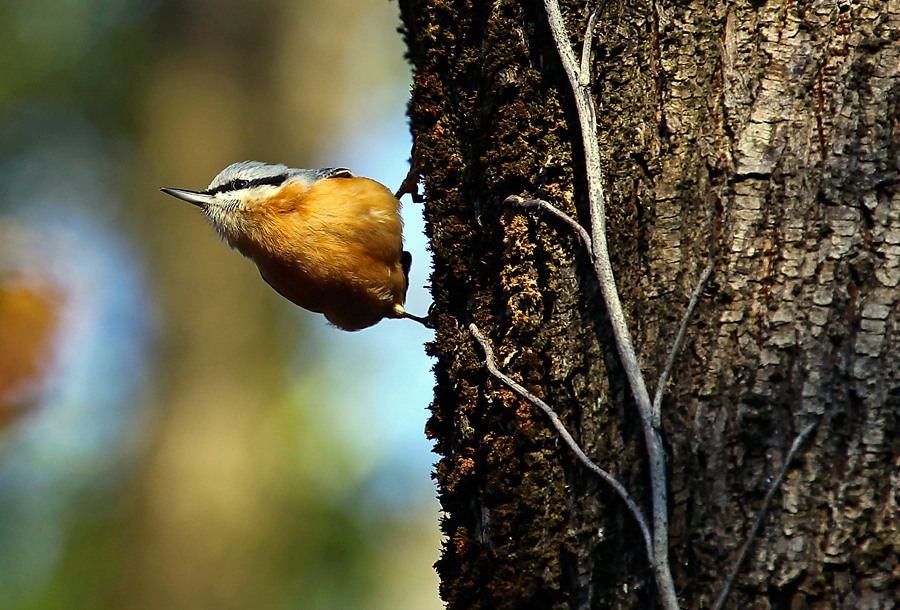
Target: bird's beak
<point x="199" y="199"/>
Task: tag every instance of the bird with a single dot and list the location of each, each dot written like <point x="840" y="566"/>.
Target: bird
<point x="325" y="239"/>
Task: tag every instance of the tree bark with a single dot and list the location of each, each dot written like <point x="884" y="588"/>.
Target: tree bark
<point x="762" y="136"/>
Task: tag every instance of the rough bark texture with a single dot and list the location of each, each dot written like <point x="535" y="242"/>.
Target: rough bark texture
<point x="762" y="133"/>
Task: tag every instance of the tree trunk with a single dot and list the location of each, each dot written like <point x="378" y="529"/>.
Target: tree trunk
<point x="760" y="135"/>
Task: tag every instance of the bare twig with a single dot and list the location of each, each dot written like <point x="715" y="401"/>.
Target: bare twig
<point x="540" y="203"/>
<point x="587" y="117"/>
<point x="754" y="531"/>
<point x="679" y="341"/>
<point x="584" y="78"/>
<point x="491" y="365"/>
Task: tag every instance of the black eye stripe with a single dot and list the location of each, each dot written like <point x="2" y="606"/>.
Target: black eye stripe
<point x="240" y="184"/>
<point x="271" y="180"/>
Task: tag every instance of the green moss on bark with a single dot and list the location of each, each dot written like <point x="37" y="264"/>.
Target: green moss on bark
<point x="489" y="124"/>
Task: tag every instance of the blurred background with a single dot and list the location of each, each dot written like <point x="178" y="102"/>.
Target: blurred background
<point x="173" y="434"/>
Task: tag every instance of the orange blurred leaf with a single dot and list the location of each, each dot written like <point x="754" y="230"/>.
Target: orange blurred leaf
<point x="29" y="317"/>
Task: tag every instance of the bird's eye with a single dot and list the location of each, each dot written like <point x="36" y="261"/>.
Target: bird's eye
<point x="240" y="184"/>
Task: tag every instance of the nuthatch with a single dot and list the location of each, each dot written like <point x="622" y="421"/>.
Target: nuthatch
<point x="324" y="239"/>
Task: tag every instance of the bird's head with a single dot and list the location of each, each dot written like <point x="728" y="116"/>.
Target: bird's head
<point x="242" y="190"/>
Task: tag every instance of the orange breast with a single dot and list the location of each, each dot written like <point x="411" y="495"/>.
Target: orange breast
<point x="334" y="248"/>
